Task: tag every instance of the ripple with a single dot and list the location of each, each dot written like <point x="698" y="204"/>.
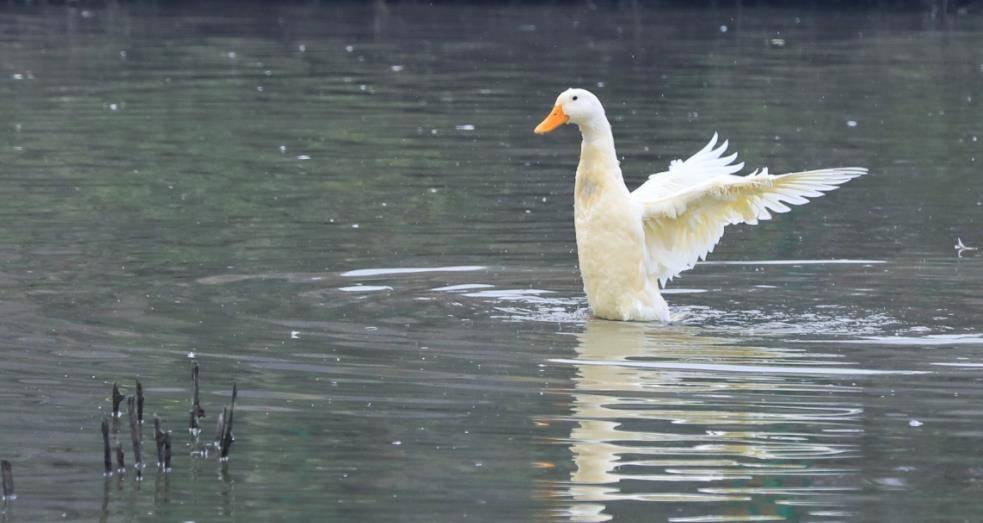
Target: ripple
<point x="795" y="262"/>
<point x="527" y="295"/>
<point x="463" y="287"/>
<point x="723" y="519"/>
<point x="826" y="321"/>
<point x="931" y="339"/>
<point x="365" y="288"/>
<point x="756" y="369"/>
<point x="411" y="270"/>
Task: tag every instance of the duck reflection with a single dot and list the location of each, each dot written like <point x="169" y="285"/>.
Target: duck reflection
<point x="707" y="427"/>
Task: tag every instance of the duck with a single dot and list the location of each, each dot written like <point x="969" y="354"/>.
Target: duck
<point x="630" y="244"/>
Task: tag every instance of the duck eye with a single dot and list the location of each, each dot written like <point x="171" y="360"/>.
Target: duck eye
<point x="575" y="98"/>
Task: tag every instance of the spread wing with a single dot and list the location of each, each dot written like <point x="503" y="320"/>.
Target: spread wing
<point x="706" y="164"/>
<point x="686" y="209"/>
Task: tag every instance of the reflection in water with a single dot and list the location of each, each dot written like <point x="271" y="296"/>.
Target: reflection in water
<point x="780" y="441"/>
<point x="227" y="492"/>
<point x="104" y="512"/>
<point x="162" y="489"/>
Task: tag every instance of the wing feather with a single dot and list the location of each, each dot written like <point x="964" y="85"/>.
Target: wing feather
<point x="686" y="209"/>
<point x="706" y="164"/>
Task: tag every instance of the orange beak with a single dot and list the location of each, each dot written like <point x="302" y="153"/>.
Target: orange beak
<point x="555" y="119"/>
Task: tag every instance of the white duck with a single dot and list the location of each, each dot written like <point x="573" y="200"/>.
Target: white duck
<point x="631" y="243"/>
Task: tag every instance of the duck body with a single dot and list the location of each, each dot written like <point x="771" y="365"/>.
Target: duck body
<point x="631" y="243"/>
<point x="611" y="239"/>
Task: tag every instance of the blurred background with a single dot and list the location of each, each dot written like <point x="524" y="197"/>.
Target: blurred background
<point x="342" y="207"/>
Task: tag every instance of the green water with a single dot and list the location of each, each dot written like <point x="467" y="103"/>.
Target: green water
<point x="236" y="182"/>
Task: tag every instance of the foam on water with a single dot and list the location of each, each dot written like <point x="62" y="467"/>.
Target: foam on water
<point x="543" y="306"/>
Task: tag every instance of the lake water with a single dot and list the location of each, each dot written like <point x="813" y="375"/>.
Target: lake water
<point x="344" y="210"/>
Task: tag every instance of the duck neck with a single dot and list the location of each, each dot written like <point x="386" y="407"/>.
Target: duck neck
<point x="599" y="168"/>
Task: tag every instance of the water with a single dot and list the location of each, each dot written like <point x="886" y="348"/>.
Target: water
<point x="344" y="210"/>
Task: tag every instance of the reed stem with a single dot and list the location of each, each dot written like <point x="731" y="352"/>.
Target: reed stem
<point x="7" y="471"/>
<point x="107" y="453"/>
<point x="136" y="434"/>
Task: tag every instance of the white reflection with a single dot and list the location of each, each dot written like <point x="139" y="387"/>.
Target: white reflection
<point x="659" y="415"/>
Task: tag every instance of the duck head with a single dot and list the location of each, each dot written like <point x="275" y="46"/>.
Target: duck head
<point x="576" y="106"/>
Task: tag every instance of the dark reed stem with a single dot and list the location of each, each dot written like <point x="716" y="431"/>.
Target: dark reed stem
<point x="225" y="444"/>
<point x="6" y="470"/>
<point x="120" y="459"/>
<point x="167" y="451"/>
<point x="159" y="440"/>
<point x="226" y="436"/>
<point x="136" y="435"/>
<point x="140" y="402"/>
<point x="117" y="400"/>
<point x="196" y="411"/>
<point x="107" y="454"/>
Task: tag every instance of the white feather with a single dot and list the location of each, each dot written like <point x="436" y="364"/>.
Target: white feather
<point x="685" y="209"/>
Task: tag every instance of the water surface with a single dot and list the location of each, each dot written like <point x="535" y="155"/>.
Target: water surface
<point x="344" y="210"/>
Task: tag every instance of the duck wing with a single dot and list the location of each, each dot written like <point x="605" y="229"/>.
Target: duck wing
<point x="685" y="210"/>
<point x="706" y="164"/>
